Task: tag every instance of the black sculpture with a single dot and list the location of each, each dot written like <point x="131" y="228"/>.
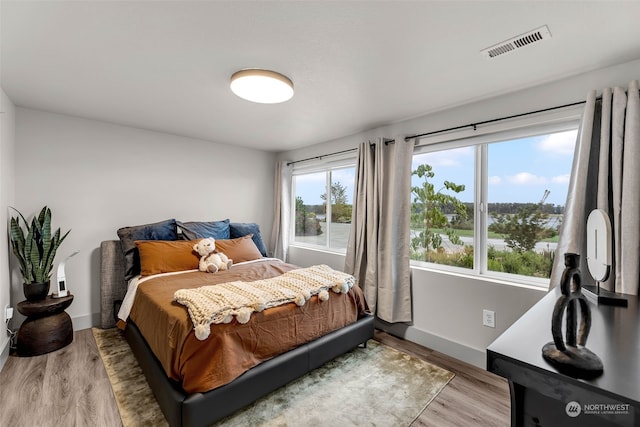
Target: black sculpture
<point x="571" y="356"/>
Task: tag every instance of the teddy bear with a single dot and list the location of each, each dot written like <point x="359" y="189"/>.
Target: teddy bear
<point x="211" y="260"/>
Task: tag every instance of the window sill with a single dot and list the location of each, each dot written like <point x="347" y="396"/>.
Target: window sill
<point x="538" y="285"/>
<point x="325" y="250"/>
<point x="533" y="284"/>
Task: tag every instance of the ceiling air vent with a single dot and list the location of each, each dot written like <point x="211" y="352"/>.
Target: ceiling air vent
<point x="515" y="43"/>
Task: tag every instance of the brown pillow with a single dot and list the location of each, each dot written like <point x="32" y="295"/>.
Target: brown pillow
<point x="240" y="249"/>
<point x="166" y="256"/>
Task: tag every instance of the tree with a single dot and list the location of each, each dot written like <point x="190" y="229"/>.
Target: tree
<point x="338" y="194"/>
<point x="341" y="210"/>
<point x="525" y="228"/>
<point x="306" y="222"/>
<point x="428" y="211"/>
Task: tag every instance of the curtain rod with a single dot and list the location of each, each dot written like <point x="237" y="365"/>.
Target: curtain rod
<point x="320" y="157"/>
<point x="371" y="144"/>
<point x="473" y="125"/>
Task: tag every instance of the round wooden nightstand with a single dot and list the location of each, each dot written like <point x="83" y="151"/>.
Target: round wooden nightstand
<point x="47" y="327"/>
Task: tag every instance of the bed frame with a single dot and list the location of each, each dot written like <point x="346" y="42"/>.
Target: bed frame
<point x="202" y="409"/>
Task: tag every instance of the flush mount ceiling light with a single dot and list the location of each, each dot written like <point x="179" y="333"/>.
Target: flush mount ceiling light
<point x="263" y="86"/>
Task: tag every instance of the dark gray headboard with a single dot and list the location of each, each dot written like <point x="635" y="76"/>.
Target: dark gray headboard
<point x="112" y="284"/>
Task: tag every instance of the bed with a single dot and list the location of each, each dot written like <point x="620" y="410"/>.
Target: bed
<point x="187" y="399"/>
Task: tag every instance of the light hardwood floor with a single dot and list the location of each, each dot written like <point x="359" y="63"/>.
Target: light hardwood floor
<point x="474" y="397"/>
<point x="70" y="387"/>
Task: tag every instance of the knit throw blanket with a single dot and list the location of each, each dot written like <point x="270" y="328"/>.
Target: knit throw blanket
<point x="220" y="303"/>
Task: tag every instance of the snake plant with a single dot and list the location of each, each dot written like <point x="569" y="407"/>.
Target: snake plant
<point x="37" y="249"/>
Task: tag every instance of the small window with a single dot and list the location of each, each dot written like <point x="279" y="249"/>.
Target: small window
<point x="323" y="203"/>
<point x="442" y="207"/>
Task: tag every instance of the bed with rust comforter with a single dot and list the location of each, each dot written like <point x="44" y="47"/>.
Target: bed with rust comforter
<point x="232" y="348"/>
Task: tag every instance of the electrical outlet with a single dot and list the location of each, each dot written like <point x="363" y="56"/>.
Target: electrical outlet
<point x="489" y="318"/>
<point x="8" y="312"/>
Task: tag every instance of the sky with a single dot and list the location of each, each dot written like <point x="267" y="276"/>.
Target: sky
<point x="311" y="186"/>
<point x="519" y="171"/>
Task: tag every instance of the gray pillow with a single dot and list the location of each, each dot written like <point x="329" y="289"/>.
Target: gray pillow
<point x="163" y="230"/>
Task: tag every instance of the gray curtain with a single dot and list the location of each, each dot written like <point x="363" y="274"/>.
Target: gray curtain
<point x="606" y="175"/>
<point x="378" y="246"/>
<point x="279" y="242"/>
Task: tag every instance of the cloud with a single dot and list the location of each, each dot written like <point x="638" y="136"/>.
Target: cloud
<point x="445" y="158"/>
<point x="526" y="178"/>
<point x="561" y="179"/>
<point x="561" y="143"/>
<point x="494" y="180"/>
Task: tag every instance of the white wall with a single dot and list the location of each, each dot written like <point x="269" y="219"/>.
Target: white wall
<point x="97" y="177"/>
<point x="448" y="308"/>
<point x="7" y="187"/>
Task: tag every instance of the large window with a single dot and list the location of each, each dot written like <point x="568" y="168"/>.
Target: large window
<point x="492" y="205"/>
<point x="323" y="205"/>
<point x="442" y="208"/>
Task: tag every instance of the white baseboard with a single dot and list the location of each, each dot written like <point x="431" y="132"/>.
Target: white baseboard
<point x="451" y="348"/>
<point x="85" y="322"/>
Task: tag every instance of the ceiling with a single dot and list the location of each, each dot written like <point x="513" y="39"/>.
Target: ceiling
<point x="165" y="66"/>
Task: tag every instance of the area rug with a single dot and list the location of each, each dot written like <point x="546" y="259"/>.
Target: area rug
<point x="373" y="386"/>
